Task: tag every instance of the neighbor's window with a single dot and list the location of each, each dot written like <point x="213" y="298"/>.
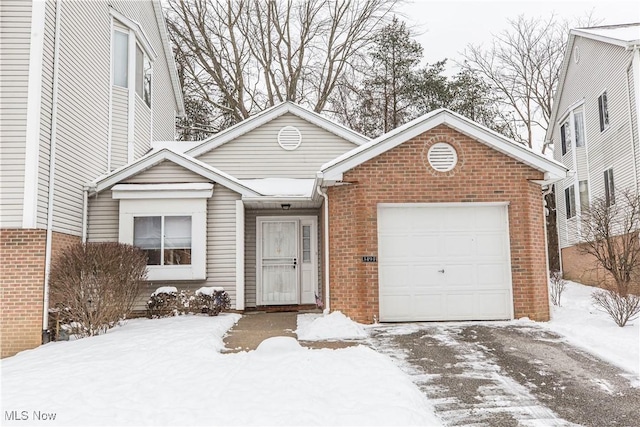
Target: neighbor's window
<point x="120" y="59"/>
<point x="166" y="240"/>
<point x="583" y="187"/>
<point x="565" y="137"/>
<point x="603" y="108"/>
<point x="609" y="189"/>
<point x="569" y="201"/>
<point x="578" y="126"/>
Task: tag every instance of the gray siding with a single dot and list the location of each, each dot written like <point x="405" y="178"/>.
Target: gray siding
<point x="166" y="172"/>
<point x="142" y="129"/>
<point x="103" y="213"/>
<point x="15" y="39"/>
<point x="258" y="155"/>
<point x="119" y="120"/>
<point x="601" y="67"/>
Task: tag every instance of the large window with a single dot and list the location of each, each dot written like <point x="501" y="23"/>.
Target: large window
<point x="609" y="189"/>
<point x="570" y="201"/>
<point x="166" y="240"/>
<point x="603" y="109"/>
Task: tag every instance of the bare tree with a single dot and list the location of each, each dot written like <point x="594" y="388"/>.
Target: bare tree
<point x="610" y="232"/>
<point x="242" y="56"/>
<point x="523" y="64"/>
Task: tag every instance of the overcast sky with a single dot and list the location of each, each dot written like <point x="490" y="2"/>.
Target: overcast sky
<point x="446" y="27"/>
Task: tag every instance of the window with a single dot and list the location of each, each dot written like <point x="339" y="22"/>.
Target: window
<point x="578" y="126"/>
<point x="306" y="243"/>
<point x="569" y="201"/>
<point x="609" y="189"/>
<point x="166" y="240"/>
<point x="604" y="111"/>
<point x="120" y="59"/>
<point x="583" y="187"/>
<point x="143" y="76"/>
<point x="565" y="137"/>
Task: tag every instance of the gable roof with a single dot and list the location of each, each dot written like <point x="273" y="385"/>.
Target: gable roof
<point x="623" y="35"/>
<point x="155" y="157"/>
<point x="334" y="170"/>
<point x="269" y="114"/>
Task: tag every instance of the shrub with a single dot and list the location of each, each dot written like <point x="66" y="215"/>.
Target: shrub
<point x="621" y="308"/>
<point x="557" y="285"/>
<point x="94" y="285"/>
<point x="168" y="301"/>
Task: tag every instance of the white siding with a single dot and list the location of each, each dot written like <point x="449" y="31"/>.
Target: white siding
<point x="142" y="132"/>
<point x="119" y="120"/>
<point x="601" y="67"/>
<point x="258" y="155"/>
<point x="15" y="24"/>
<point x="102" y="224"/>
<point x="166" y="172"/>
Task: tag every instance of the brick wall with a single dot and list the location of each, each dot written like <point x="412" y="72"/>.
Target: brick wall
<point x="402" y="175"/>
<point x="22" y="285"/>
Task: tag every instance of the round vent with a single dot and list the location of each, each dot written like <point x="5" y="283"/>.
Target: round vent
<point x="289" y="138"/>
<point x="576" y="54"/>
<point x="442" y="157"/>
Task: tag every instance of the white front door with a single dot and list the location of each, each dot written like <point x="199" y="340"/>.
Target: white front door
<point x="287" y="260"/>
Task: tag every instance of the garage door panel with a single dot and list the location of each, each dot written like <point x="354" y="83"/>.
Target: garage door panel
<point x="470" y="243"/>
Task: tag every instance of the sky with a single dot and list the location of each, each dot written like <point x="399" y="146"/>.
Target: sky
<point x="445" y="28"/>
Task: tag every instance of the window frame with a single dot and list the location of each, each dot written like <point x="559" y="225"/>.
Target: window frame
<point x="603" y="111"/>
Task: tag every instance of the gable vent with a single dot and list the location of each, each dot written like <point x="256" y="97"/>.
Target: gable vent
<point x="289" y="138"/>
<point x="442" y="157"/>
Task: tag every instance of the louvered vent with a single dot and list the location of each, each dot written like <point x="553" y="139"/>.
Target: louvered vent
<point x="289" y="138"/>
<point x="442" y="157"/>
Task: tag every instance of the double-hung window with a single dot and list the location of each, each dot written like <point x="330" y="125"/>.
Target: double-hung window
<point x="603" y="109"/>
<point x="609" y="189"/>
<point x="570" y="201"/>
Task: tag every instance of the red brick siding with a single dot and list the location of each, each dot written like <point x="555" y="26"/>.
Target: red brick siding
<point x="22" y="285"/>
<point x="402" y="175"/>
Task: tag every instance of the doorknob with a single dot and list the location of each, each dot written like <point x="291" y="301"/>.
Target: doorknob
<point x="441" y="271"/>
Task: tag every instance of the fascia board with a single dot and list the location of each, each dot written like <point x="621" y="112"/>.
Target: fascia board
<point x="600" y="38"/>
<point x="559" y="89"/>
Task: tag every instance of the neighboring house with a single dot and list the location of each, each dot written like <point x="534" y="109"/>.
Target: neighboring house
<point x="441" y="219"/>
<point x="86" y="86"/>
<point x="594" y="131"/>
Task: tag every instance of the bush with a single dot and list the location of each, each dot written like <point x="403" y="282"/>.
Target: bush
<point x="557" y="285"/>
<point x="621" y="308"/>
<point x="94" y="285"/>
<point x="168" y="301"/>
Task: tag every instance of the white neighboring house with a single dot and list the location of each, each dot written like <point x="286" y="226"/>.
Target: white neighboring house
<point x="594" y="129"/>
<point x="86" y="87"/>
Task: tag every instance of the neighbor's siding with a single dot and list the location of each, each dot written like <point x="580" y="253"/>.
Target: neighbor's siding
<point x="601" y="67"/>
<point x="15" y="36"/>
<point x="258" y="155"/>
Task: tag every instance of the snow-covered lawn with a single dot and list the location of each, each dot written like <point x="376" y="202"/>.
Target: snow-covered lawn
<point x="171" y="372"/>
<point x="586" y="326"/>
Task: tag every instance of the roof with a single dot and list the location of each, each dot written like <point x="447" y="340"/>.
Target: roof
<point x="272" y="113"/>
<point x="334" y="170"/>
<point x="155" y="157"/>
<point x="623" y="35"/>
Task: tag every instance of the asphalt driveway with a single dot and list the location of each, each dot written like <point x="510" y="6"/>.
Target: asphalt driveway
<point x="498" y="374"/>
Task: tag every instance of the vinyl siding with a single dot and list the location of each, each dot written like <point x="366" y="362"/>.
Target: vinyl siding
<point x="166" y="172"/>
<point x="103" y="213"/>
<point x="601" y="67"/>
<point x="258" y="155"/>
<point x="142" y="132"/>
<point x="250" y="241"/>
<point x="15" y="39"/>
<point x="119" y="120"/>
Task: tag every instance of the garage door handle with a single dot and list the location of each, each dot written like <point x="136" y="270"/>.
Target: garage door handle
<point x="441" y="271"/>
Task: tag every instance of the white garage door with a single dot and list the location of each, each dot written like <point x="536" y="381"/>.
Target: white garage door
<point x="444" y="262"/>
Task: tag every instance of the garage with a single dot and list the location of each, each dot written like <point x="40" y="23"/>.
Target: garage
<point x="444" y="261"/>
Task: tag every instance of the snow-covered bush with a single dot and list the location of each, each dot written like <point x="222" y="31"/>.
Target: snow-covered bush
<point x="556" y="287"/>
<point x="168" y="301"/>
<point x="94" y="285"/>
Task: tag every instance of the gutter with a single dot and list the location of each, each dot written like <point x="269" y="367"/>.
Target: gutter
<point x="326" y="248"/>
<point x="52" y="173"/>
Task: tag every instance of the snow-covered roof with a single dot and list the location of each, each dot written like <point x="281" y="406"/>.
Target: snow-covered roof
<point x="621" y="34"/>
<point x="177" y="146"/>
<point x="281" y="187"/>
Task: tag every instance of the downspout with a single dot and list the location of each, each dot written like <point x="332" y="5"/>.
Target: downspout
<point x="52" y="172"/>
<point x="326" y="248"/>
<point x="85" y="210"/>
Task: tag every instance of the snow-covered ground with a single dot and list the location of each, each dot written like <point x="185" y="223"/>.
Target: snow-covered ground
<point x="586" y="326"/>
<point x="171" y="372"/>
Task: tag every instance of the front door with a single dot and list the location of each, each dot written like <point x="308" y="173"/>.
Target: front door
<point x="278" y="262"/>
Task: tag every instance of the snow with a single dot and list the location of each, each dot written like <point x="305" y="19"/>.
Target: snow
<point x="281" y="187"/>
<point x="334" y="326"/>
<point x="170" y="372"/>
<point x="587" y="327"/>
<point x="165" y="290"/>
<point x="209" y="290"/>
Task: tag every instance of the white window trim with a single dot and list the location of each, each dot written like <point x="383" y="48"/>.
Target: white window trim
<point x="168" y="200"/>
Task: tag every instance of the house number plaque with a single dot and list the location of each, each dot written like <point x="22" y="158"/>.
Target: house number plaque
<point x="369" y="259"/>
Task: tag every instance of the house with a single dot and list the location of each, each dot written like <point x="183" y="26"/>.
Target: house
<point x="594" y="131"/>
<point x="440" y="219"/>
<point x="86" y="87"/>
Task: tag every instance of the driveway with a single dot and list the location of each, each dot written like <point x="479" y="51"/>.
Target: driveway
<point x="498" y="374"/>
